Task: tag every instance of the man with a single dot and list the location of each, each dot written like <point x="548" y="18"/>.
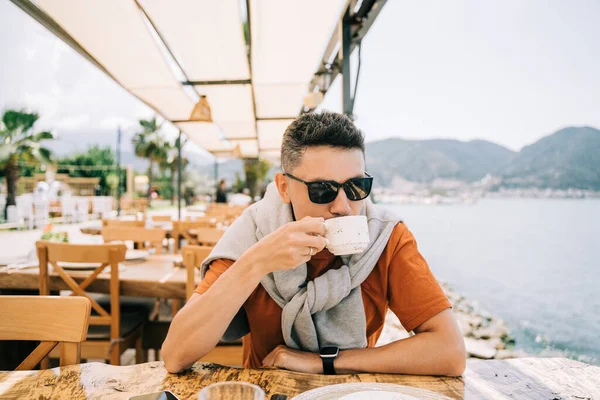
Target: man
<point x="221" y="196"/>
<point x="302" y="308"/>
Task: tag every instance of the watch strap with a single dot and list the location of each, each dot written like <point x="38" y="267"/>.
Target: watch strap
<point x="328" y="368"/>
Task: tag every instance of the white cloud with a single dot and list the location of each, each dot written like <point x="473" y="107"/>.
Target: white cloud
<point x="114" y="121"/>
<point x="72" y="122"/>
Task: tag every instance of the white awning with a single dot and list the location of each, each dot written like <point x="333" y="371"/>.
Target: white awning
<point x="205" y="35"/>
<point x="163" y="51"/>
<point x="288" y="41"/>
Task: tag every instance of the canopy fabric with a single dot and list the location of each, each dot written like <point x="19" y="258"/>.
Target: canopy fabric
<point x="158" y="50"/>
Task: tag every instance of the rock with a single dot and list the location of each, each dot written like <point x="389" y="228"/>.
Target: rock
<point x="392" y="330"/>
<point x="473" y="320"/>
<point x="479" y="348"/>
<point x="464" y="326"/>
<point x="506" y="354"/>
<point x="496" y="330"/>
<point x="497" y="343"/>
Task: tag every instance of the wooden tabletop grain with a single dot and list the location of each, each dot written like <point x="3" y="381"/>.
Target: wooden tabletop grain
<point x="154" y="277"/>
<point x="525" y="378"/>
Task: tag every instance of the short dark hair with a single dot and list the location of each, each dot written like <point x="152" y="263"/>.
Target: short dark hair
<point x="318" y="129"/>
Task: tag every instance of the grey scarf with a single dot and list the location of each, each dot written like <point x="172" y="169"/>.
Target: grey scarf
<point x="326" y="311"/>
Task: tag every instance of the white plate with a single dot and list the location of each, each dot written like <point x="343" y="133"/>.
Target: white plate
<point x="368" y="390"/>
<point x="131" y="255"/>
<point x="136" y="255"/>
<point x="79" y="266"/>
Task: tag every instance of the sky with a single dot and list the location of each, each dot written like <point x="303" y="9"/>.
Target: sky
<point x="509" y="71"/>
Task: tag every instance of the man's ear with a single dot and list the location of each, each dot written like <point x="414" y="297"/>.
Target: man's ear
<point x="282" y="187"/>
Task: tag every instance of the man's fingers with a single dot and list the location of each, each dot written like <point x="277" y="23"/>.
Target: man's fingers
<point x="312" y="225"/>
<point x="318" y="243"/>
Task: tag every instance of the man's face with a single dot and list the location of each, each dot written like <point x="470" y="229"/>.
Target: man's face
<point x="322" y="163"/>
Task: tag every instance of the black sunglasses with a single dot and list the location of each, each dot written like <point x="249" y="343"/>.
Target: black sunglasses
<point x="323" y="192"/>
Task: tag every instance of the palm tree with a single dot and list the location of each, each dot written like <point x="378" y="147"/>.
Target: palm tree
<point x="150" y="144"/>
<point x="169" y="163"/>
<point x="20" y="144"/>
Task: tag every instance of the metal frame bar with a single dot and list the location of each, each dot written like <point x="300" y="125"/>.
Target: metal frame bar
<point x="249" y="19"/>
<point x="179" y="177"/>
<point x="276" y="118"/>
<point x="344" y="54"/>
<point x="164" y="43"/>
<point x="221" y="82"/>
<point x="183" y="121"/>
<point x="118" y="171"/>
<point x="359" y="24"/>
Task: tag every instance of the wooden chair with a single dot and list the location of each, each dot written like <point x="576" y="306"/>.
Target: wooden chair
<point x="208" y="236"/>
<point x="226" y="353"/>
<point x="119" y="223"/>
<point x="49" y="319"/>
<point x="204" y="234"/>
<point x="154" y="236"/>
<point x="192" y="259"/>
<point x="111" y="332"/>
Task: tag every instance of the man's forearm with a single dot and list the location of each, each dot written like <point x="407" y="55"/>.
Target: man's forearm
<point x="427" y="353"/>
<point x="198" y="327"/>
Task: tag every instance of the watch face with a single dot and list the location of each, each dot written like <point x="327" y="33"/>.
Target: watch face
<point x="329" y="351"/>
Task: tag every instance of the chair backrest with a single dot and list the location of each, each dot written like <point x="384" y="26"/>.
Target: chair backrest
<point x="153" y="236"/>
<point x="49" y="319"/>
<point x="83" y="204"/>
<point x="118" y="223"/>
<point x="192" y="259"/>
<point x="104" y="254"/>
<point x="189" y="230"/>
<point x="67" y="205"/>
<point x="208" y="236"/>
<point x="162" y="218"/>
<point x="102" y="205"/>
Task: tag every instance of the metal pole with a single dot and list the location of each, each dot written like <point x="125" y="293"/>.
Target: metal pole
<point x="119" y="171"/>
<point x="216" y="178"/>
<point x="345" y="54"/>
<point x="179" y="177"/>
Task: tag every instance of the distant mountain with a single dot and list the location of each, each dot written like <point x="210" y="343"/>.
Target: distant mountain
<point x="569" y="158"/>
<point x="426" y="160"/>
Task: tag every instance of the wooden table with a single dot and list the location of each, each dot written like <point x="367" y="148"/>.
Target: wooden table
<point x="97" y="230"/>
<point x="526" y="378"/>
<point x="154" y="277"/>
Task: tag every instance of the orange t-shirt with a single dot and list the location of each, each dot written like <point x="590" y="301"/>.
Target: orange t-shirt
<point x="401" y="280"/>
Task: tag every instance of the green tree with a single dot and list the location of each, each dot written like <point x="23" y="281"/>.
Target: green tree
<point x="95" y="162"/>
<point x="169" y="163"/>
<point x="112" y="180"/>
<point x="150" y="144"/>
<point x="19" y="143"/>
<point x="256" y="171"/>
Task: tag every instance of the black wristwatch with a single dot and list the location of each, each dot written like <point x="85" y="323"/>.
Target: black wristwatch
<point x="328" y="355"/>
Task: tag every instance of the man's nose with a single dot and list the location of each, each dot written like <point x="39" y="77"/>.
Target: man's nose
<point x="340" y="206"/>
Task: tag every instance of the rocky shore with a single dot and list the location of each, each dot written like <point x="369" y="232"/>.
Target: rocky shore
<point x="486" y="336"/>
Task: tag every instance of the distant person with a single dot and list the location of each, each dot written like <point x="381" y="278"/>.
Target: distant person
<point x="241" y="199"/>
<point x="222" y="192"/>
<point x="188" y="196"/>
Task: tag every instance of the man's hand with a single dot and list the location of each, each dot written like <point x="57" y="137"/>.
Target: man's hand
<point x="294" y="360"/>
<point x="289" y="246"/>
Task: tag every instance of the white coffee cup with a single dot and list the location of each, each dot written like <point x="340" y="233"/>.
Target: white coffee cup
<point x="347" y="235"/>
